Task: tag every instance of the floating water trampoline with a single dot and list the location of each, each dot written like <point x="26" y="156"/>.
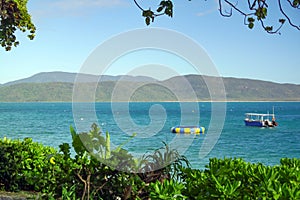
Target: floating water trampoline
<point x="188" y="129"/>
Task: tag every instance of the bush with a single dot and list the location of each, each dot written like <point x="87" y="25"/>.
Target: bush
<point x="30" y="166"/>
<point x="24" y="165"/>
<point x="236" y="179"/>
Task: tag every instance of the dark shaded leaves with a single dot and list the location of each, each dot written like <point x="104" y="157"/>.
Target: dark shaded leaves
<point x="14" y="16"/>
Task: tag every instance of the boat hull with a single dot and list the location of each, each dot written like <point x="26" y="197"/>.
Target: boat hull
<point x="254" y="123"/>
<point x="260" y="123"/>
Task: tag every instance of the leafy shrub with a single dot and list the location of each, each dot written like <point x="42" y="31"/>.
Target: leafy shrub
<point x="236" y="179"/>
<point x="167" y="190"/>
<point x="27" y="165"/>
<point x="24" y="164"/>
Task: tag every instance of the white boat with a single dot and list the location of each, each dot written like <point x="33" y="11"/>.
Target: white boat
<point x="260" y="120"/>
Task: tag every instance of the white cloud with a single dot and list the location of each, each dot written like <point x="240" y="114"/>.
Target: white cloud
<point x="199" y="14"/>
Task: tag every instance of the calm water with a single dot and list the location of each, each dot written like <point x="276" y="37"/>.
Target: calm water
<point x="49" y="124"/>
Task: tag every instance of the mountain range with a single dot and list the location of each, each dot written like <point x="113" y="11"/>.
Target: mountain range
<point x="58" y="87"/>
<point x="68" y="77"/>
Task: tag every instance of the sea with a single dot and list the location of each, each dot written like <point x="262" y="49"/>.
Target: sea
<point x="143" y="127"/>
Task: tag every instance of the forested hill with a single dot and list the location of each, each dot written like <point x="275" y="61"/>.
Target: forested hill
<point x="68" y="77"/>
<point x="58" y="86"/>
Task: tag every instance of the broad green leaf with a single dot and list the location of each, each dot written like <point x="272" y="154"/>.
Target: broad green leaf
<point x="251" y="25"/>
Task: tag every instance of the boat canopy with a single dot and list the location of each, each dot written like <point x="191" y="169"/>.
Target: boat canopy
<point x="259" y="114"/>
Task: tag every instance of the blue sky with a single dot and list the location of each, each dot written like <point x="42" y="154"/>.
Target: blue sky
<point x="69" y="30"/>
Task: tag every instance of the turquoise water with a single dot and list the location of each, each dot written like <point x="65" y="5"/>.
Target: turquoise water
<point x="49" y="124"/>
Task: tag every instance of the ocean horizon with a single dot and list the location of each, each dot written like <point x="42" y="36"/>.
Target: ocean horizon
<point x="49" y="123"/>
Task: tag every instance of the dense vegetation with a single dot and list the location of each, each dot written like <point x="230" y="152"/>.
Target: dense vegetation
<point x="14" y="16"/>
<point x="55" y="174"/>
<point x="148" y="90"/>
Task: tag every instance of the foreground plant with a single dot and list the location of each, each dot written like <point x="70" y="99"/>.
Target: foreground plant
<point x="30" y="166"/>
<point x="236" y="179"/>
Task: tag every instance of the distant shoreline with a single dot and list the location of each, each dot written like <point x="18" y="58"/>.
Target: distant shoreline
<point x="144" y="89"/>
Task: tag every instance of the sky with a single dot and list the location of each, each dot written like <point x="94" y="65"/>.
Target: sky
<point x="69" y="31"/>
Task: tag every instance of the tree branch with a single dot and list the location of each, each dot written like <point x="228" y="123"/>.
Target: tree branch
<point x="235" y="8"/>
<point x="85" y="184"/>
<point x="269" y="29"/>
<point x="286" y="16"/>
<point x="221" y="12"/>
<point x="260" y="8"/>
<point x="138" y="5"/>
<point x="256" y="11"/>
<point x="251" y="7"/>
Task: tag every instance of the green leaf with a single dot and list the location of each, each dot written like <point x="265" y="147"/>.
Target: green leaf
<point x="264" y="11"/>
<point x="169" y="12"/>
<point x="269" y="28"/>
<point x="77" y="143"/>
<point x="148" y="13"/>
<point x="282" y="21"/>
<point x="159" y="9"/>
<point x="163" y="3"/>
<point x="31" y="37"/>
<point x="251" y="19"/>
<point x="251" y="25"/>
<point x="107" y="146"/>
<point x="296" y="3"/>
